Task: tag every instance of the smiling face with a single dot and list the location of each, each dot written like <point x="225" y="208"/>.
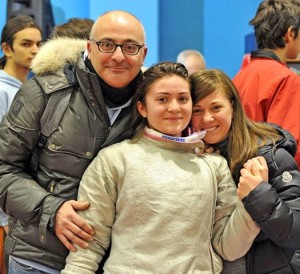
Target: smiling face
<point x="168" y="105"/>
<point x="213" y="113"/>
<point x="117" y="69"/>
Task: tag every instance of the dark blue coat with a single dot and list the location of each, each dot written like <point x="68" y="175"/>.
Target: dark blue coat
<point x="275" y="206"/>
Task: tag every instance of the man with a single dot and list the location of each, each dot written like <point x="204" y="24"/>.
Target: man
<point x="193" y="60"/>
<point x="75" y="27"/>
<point x="41" y="198"/>
<point x="269" y="90"/>
<point x="21" y="39"/>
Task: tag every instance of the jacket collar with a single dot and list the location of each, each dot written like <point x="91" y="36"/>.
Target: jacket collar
<point x="55" y="54"/>
<point x="265" y="54"/>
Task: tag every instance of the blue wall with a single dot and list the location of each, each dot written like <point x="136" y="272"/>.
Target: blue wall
<point x="217" y="28"/>
<point x="2" y="15"/>
<point x="181" y="27"/>
<point x="226" y="24"/>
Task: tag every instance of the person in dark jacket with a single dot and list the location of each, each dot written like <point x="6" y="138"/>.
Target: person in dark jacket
<point x="41" y="197"/>
<point x="273" y="204"/>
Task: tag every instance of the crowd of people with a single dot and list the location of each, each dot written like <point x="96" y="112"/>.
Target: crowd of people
<point x="107" y="166"/>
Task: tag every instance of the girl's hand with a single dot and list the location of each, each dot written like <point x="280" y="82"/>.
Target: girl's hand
<point x="254" y="172"/>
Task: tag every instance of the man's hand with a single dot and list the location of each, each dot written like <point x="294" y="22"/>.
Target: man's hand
<point x="254" y="172"/>
<point x="70" y="227"/>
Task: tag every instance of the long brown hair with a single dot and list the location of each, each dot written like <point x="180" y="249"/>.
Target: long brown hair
<point x="245" y="136"/>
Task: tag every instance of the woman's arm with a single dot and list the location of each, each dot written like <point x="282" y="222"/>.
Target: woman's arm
<point x="234" y="230"/>
<point x="99" y="189"/>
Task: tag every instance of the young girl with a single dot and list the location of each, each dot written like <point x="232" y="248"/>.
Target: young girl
<point x="162" y="208"/>
<point x="275" y="203"/>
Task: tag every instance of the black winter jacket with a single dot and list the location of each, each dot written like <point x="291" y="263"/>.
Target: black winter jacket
<point x="275" y="206"/>
<point x="32" y="198"/>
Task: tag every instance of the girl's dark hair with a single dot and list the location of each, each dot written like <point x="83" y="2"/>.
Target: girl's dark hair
<point x="150" y="76"/>
<point x="13" y="26"/>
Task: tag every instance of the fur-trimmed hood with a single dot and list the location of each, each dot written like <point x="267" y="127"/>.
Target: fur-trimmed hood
<point x="56" y="53"/>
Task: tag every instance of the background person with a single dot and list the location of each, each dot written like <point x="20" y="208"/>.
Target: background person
<point x="41" y="202"/>
<point x="273" y="204"/>
<point x="140" y="196"/>
<point x="268" y="88"/>
<point x="75" y="27"/>
<point x="21" y="39"/>
<point x="193" y="60"/>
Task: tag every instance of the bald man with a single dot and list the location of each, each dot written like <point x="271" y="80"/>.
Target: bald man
<point x="193" y="60"/>
<point x="41" y="199"/>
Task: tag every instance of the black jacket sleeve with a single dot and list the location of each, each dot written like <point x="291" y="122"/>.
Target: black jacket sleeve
<point x="275" y="205"/>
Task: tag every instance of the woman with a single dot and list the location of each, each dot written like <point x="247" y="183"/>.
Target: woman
<point x="165" y="209"/>
<point x="275" y="204"/>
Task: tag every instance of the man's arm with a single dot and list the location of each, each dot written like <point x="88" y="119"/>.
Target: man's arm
<point x="72" y="229"/>
<point x="19" y="132"/>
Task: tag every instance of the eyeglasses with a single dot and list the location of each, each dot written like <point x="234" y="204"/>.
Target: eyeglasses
<point x="110" y="47"/>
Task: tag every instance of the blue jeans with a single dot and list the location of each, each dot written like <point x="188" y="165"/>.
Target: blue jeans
<point x="18" y="268"/>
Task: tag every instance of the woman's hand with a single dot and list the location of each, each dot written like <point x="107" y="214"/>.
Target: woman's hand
<point x="254" y="172"/>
